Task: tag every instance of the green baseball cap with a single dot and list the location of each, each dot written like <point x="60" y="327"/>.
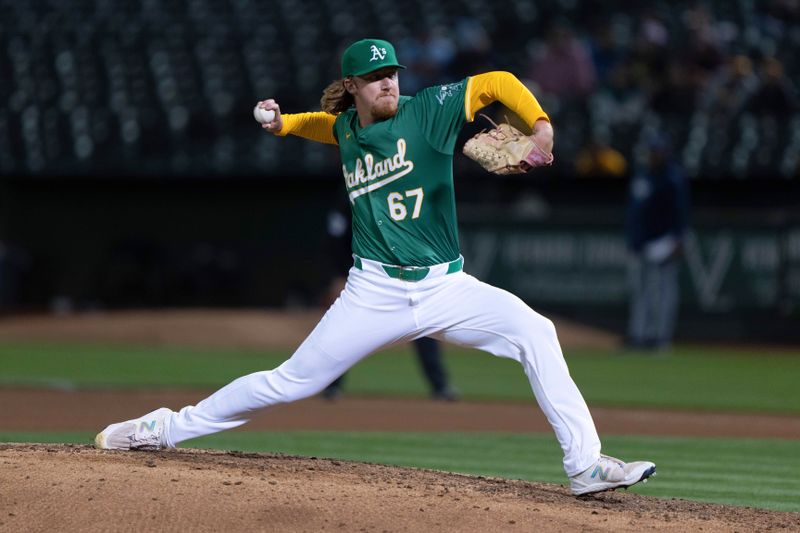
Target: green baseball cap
<point x="368" y="55"/>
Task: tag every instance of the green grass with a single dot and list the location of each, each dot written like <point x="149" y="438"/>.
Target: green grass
<point x="689" y="378"/>
<point x="743" y="472"/>
<point x="66" y="364"/>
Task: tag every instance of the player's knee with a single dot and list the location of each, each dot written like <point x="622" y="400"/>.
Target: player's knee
<point x="285" y="385"/>
<point x="548" y="328"/>
<point x="537" y="327"/>
<point x="305" y="374"/>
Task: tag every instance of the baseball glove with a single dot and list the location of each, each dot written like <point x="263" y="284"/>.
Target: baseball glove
<point x="506" y="150"/>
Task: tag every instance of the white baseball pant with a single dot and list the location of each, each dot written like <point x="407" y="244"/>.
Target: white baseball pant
<point x="375" y="311"/>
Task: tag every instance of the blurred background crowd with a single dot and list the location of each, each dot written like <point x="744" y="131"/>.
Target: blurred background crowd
<point x="133" y="174"/>
<point x="165" y="86"/>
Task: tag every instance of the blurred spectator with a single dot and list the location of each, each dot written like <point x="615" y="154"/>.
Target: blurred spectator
<point x="704" y="43"/>
<point x="621" y="102"/>
<point x="655" y="229"/>
<point x="650" y="51"/>
<point x="563" y="66"/>
<point x="599" y="160"/>
<point x="730" y="89"/>
<point x="474" y="49"/>
<point x="676" y="95"/>
<point x="605" y="51"/>
<point x="776" y="95"/>
<point x="428" y="56"/>
<point x="778" y="16"/>
<point x="653" y="30"/>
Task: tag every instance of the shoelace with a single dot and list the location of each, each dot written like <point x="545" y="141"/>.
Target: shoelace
<point x="619" y="463"/>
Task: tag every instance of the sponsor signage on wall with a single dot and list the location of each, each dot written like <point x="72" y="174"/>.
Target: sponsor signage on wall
<point x="721" y="270"/>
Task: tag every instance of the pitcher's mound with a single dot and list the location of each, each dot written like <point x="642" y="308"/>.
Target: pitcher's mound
<point x="78" y="488"/>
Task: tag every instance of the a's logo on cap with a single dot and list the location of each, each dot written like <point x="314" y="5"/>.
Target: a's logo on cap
<point x="377" y="53"/>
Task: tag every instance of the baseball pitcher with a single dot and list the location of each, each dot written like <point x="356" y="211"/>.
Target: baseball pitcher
<point x="407" y="279"/>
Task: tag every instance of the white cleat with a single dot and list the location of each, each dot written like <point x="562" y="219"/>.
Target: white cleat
<point x="609" y="473"/>
<point x="144" y="433"/>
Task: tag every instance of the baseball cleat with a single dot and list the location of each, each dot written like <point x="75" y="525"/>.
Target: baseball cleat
<point x="142" y="433"/>
<point x="609" y="473"/>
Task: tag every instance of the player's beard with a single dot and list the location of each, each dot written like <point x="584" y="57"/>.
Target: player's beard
<point x="384" y="107"/>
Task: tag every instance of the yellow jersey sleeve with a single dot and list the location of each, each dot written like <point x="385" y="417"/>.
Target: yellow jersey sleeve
<point x="483" y="89"/>
<point x="316" y="126"/>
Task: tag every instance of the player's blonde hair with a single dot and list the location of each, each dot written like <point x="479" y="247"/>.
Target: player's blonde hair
<point x="335" y="98"/>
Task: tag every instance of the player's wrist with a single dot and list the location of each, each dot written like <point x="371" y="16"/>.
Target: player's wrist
<point x="543" y="135"/>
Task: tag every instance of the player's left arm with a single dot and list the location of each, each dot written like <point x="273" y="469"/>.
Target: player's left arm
<point x="483" y="89"/>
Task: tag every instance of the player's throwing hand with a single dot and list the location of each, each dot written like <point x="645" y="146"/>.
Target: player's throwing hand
<point x="277" y="123"/>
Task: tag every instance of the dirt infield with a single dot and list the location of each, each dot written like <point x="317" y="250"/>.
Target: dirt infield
<point x="213" y="327"/>
<point x="77" y="488"/>
<point x="35" y="409"/>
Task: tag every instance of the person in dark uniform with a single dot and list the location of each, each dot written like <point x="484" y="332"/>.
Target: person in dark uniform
<point x="656" y="228"/>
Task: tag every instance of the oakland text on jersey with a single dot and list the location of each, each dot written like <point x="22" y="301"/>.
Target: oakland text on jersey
<point x="368" y="170"/>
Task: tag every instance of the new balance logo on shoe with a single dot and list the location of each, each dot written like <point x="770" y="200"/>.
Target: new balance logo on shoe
<point x="144" y="426"/>
<point x="602" y="473"/>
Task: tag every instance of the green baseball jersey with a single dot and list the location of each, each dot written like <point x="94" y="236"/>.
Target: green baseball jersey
<point x="399" y="178"/>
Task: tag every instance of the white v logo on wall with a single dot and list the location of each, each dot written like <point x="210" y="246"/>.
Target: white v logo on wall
<point x="708" y="276"/>
<point x="377" y="53"/>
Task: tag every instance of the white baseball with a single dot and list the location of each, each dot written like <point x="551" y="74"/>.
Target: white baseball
<point x="263" y="116"/>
